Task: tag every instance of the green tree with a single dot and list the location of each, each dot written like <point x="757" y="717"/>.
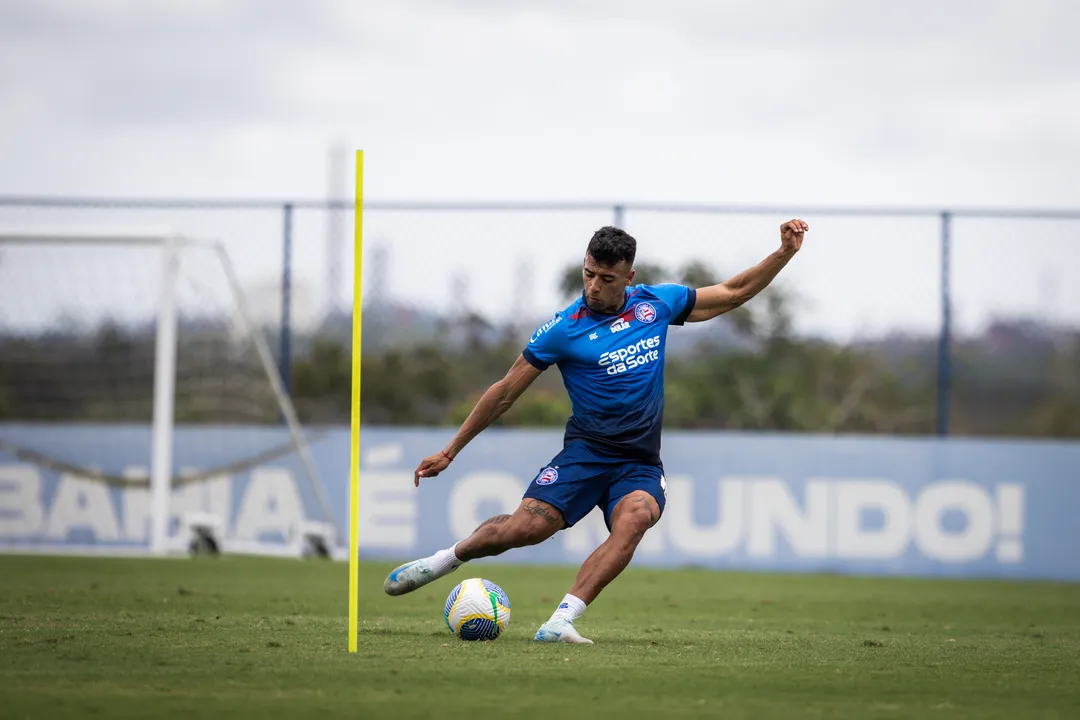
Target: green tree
<point x="697" y="274"/>
<point x="322" y="382"/>
<point x="537" y="407"/>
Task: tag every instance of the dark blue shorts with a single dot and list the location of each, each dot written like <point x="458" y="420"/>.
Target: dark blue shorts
<point x="577" y="480"/>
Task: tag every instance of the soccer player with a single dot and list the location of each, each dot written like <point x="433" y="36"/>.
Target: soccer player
<point x="609" y="346"/>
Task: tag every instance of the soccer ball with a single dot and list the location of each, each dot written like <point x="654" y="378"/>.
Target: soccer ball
<point x="477" y="609"/>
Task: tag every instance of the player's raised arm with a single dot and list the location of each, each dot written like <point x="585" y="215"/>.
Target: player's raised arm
<point x="495" y="401"/>
<point x="733" y="292"/>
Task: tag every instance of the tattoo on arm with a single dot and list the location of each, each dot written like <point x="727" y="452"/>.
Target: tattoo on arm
<point x="494" y="520"/>
<point x="535" y="509"/>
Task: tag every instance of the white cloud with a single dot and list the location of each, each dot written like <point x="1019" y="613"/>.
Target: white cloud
<point x="833" y="101"/>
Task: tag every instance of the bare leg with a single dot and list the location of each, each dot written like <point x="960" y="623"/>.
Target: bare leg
<point x="493" y="520"/>
<point x="635" y="513"/>
<point x="533" y="522"/>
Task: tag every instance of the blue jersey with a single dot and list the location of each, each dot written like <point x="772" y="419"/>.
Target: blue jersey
<point x="613" y="367"/>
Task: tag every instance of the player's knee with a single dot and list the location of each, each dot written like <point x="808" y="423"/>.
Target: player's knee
<point x="635" y="522"/>
<point x="635" y="513"/>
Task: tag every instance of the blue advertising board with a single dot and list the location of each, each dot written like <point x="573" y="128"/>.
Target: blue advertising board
<point x="869" y="505"/>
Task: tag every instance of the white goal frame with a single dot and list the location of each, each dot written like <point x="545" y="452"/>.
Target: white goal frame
<point x="161" y="449"/>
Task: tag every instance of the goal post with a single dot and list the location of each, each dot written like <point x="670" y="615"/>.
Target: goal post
<point x="87" y="314"/>
<point x="164" y="395"/>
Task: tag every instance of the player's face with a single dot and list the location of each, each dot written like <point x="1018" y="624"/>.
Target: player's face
<point x="605" y="285"/>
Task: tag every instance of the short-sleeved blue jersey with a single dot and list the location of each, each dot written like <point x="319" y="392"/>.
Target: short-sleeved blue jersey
<point x="613" y="367"/>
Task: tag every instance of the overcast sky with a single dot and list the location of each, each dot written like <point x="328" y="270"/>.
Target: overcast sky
<point x="852" y="102"/>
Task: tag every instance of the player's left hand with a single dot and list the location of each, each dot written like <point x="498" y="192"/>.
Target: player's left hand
<point x="430" y="467"/>
<point x="791" y="235"/>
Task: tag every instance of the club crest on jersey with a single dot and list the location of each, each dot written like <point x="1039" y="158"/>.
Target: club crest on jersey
<point x="645" y="312"/>
<point x="619" y="325"/>
<point x="547" y="476"/>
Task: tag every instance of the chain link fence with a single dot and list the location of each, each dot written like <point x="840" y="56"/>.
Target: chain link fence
<point x="899" y="320"/>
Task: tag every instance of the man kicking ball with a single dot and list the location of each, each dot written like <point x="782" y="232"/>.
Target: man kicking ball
<point x="609" y="346"/>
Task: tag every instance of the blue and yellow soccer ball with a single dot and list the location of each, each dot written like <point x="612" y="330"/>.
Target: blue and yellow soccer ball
<point x="477" y="609"/>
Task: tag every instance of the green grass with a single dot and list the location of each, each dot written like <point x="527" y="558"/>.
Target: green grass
<point x="242" y="637"/>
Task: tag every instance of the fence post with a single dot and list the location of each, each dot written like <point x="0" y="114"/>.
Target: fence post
<point x="285" y="354"/>
<point x="944" y="360"/>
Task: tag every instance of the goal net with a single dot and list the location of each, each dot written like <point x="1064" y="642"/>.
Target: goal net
<point x="136" y="394"/>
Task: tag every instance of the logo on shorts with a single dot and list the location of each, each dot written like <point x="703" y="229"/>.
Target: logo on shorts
<point x="548" y="476"/>
<point x="645" y="312"/>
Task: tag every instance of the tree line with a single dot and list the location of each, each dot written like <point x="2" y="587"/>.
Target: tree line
<point x="770" y="380"/>
<point x="756" y="375"/>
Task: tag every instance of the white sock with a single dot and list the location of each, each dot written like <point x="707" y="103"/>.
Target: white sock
<point x="570" y="608"/>
<point x="444" y="561"/>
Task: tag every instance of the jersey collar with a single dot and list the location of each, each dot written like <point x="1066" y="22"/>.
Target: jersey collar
<point x="620" y="311"/>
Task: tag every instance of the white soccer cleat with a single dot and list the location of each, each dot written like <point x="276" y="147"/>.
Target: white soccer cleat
<point x="560" y="630"/>
<point x="406" y="578"/>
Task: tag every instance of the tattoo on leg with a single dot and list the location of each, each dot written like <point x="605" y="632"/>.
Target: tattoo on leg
<point x="494" y="520"/>
<point x="537" y="510"/>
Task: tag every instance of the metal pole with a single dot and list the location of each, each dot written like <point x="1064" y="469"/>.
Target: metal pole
<point x="943" y="380"/>
<point x="285" y="359"/>
<point x="619" y="212"/>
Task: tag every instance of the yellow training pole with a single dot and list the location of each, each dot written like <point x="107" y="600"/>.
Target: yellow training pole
<point x="354" y="445"/>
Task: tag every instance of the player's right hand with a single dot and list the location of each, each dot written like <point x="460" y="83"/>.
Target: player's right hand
<point x="430" y="467"/>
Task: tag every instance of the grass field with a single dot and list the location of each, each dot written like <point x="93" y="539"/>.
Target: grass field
<point x="243" y="637"/>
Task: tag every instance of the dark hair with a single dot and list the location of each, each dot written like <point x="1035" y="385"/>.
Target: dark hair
<point x="610" y="245"/>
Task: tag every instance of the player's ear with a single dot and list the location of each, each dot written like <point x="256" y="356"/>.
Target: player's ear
<point x="630" y="277"/>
